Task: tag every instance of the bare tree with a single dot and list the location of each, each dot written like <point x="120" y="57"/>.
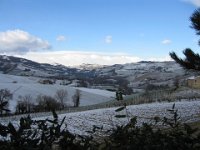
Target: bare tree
<point x="61" y="96"/>
<point x="76" y="98"/>
<point x="40" y="103"/>
<point x="5" y="96"/>
<point x="47" y="103"/>
<point x="24" y="104"/>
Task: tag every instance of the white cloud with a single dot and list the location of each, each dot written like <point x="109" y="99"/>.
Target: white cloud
<point x="166" y="41"/>
<point x="60" y="38"/>
<point x="108" y="39"/>
<point x="73" y="58"/>
<point x="194" y="2"/>
<point x="18" y="41"/>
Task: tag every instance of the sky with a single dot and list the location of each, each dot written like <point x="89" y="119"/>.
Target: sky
<point x="105" y="32"/>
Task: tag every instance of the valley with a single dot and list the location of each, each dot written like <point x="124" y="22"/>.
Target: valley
<point x="149" y="90"/>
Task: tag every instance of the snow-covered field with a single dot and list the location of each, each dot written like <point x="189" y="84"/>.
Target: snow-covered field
<point x="81" y="122"/>
<point x="29" y="86"/>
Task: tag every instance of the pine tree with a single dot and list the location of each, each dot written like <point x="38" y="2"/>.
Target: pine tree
<point x="76" y="98"/>
<point x="191" y="60"/>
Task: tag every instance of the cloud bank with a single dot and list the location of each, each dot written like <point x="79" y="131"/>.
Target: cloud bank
<point x="18" y="41"/>
<point x="23" y="44"/>
<point x="74" y="58"/>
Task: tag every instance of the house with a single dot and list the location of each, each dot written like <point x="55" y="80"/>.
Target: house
<point x="46" y="81"/>
<point x="194" y="82"/>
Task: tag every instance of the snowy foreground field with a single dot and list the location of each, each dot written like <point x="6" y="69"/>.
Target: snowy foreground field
<point x="81" y="122"/>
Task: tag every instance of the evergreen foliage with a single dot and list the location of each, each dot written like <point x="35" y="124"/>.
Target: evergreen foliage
<point x="191" y="60"/>
<point x="163" y="134"/>
<point x="119" y="95"/>
<point x="76" y="98"/>
<point x="5" y="96"/>
<point x="195" y="19"/>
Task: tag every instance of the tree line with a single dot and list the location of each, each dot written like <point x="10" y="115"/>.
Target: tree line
<point x="26" y="103"/>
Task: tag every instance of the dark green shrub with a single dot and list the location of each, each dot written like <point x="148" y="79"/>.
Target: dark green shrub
<point x="165" y="134"/>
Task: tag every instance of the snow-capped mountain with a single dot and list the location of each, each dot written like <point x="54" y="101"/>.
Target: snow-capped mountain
<point x="21" y="66"/>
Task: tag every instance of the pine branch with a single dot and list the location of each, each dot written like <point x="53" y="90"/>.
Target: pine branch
<point x="191" y="61"/>
<point x="195" y="19"/>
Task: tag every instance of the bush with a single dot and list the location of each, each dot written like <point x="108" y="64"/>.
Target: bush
<point x="37" y="135"/>
<point x="172" y="135"/>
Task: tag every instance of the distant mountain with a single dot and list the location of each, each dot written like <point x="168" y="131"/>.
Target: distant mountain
<point x="21" y="66"/>
<point x="134" y="75"/>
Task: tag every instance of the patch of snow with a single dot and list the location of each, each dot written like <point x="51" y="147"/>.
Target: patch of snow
<point x="191" y="78"/>
<point x="5" y="57"/>
<point x="98" y="92"/>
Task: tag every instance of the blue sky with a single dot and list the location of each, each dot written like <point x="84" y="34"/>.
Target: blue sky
<point x="72" y="32"/>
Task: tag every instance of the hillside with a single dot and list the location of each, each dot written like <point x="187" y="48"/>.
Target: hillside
<point x="135" y="76"/>
<point x="21" y="86"/>
<point x="24" y="77"/>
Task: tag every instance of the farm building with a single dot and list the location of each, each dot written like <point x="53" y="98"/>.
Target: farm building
<point x="194" y="82"/>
